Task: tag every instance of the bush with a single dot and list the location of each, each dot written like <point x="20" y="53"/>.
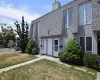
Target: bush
<point x="72" y="53"/>
<point x="35" y="51"/>
<point x="62" y="56"/>
<point x="31" y="47"/>
<point x="90" y="60"/>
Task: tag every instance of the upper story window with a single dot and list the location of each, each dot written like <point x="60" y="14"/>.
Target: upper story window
<point x="85" y="13"/>
<point x="37" y="25"/>
<point x="67" y="18"/>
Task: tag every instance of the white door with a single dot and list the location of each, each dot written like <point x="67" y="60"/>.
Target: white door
<point x="55" y="47"/>
<point x="49" y="52"/>
<point x="43" y="46"/>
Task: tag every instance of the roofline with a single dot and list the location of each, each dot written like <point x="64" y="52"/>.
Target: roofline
<point x="54" y="10"/>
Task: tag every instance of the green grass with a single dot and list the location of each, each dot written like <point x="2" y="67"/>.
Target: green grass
<point x="46" y="70"/>
<point x="9" y="59"/>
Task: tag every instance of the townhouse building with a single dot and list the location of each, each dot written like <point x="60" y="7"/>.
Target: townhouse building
<point x="79" y="20"/>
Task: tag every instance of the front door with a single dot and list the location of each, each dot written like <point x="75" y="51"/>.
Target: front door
<point x="98" y="46"/>
<point x="55" y="47"/>
<point x="49" y="47"/>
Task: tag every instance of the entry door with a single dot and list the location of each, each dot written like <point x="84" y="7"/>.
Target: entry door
<point x="56" y="47"/>
<point x="98" y="47"/>
<point x="49" y="47"/>
<point x="43" y="47"/>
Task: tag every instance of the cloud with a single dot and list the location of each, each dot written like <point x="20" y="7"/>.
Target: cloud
<point x="8" y="10"/>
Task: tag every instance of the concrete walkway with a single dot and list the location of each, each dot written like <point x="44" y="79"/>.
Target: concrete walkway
<point x="21" y="64"/>
<point x="98" y="76"/>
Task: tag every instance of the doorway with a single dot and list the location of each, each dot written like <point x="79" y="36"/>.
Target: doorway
<point x="98" y="46"/>
<point x="98" y="42"/>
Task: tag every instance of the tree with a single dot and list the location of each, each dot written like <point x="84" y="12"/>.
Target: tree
<point x="6" y="35"/>
<point x="22" y="31"/>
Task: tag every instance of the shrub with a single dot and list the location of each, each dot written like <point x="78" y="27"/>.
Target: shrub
<point x="35" y="51"/>
<point x="31" y="47"/>
<point x="62" y="56"/>
<point x="72" y="53"/>
<point x="90" y="59"/>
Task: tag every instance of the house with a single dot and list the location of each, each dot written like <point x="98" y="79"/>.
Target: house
<point x="79" y="20"/>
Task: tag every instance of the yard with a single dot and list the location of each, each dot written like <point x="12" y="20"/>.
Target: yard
<point x="46" y="70"/>
<point x="8" y="59"/>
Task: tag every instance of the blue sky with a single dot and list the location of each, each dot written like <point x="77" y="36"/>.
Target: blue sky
<point x="11" y="10"/>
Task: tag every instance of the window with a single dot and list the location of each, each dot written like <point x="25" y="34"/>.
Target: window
<point x="88" y="44"/>
<point x="37" y="25"/>
<point x="56" y="45"/>
<point x="82" y="43"/>
<point x="88" y="13"/>
<point x="81" y="14"/>
<point x="67" y="18"/>
<point x="85" y="13"/>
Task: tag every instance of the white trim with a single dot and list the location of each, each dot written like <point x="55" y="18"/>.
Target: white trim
<point x="84" y="5"/>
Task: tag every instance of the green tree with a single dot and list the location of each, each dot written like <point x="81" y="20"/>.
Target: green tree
<point x="6" y="35"/>
<point x="22" y="31"/>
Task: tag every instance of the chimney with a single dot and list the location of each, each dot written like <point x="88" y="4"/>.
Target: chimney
<point x="56" y="5"/>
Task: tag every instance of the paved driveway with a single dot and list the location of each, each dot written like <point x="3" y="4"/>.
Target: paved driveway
<point x="2" y="50"/>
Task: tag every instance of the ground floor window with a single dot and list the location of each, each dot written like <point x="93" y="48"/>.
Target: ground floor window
<point x="86" y="44"/>
<point x="82" y="43"/>
<point x="89" y="44"/>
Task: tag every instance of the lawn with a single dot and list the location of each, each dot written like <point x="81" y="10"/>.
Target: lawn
<point x="9" y="59"/>
<point x="46" y="70"/>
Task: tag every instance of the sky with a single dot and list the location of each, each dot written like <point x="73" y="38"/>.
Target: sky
<point x="12" y="10"/>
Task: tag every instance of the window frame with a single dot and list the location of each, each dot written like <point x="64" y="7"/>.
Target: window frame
<point x="67" y="16"/>
<point x="84" y="5"/>
<point x="38" y="26"/>
<point x="86" y="44"/>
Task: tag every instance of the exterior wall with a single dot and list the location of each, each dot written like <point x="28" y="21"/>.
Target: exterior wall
<point x="95" y="15"/>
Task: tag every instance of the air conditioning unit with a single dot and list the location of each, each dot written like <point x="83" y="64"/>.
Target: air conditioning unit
<point x="98" y="1"/>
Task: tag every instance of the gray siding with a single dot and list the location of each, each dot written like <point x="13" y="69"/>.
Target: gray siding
<point x="95" y="15"/>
